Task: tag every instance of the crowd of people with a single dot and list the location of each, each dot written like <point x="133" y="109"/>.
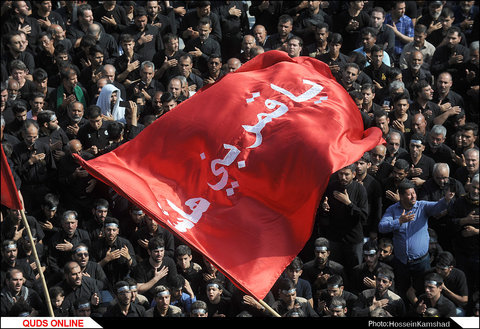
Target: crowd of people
<point x="396" y="233"/>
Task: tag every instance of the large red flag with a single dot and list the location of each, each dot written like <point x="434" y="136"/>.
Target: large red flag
<point x="9" y="190"/>
<point x="239" y="169"/>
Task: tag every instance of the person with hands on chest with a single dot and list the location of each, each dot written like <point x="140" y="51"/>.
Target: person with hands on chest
<point x="113" y="252"/>
<point x="347" y="206"/>
<point x="433" y="297"/>
<point x="407" y="220"/>
<point x="156" y="270"/>
<point x="318" y="270"/>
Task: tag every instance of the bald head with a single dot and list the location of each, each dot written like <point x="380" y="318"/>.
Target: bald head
<point x="75" y="146"/>
<point x="233" y="64"/>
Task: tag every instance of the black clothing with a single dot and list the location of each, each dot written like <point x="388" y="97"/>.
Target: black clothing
<point x="85" y="291"/>
<point x="117" y="269"/>
<point x="444" y="306"/>
<point x="144" y="272"/>
<point x="395" y="306"/>
<point x="145" y="50"/>
<point x="144" y="233"/>
<point x="57" y="258"/>
<point x="312" y="269"/>
<point x="88" y="136"/>
<point x="346" y="221"/>
<point x="305" y="307"/>
<point x="425" y="163"/>
<point x="362" y="271"/>
<point x="134" y="311"/>
<point x="208" y="48"/>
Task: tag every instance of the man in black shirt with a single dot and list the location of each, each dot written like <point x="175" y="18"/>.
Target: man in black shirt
<point x="318" y="270"/>
<point x="147" y="38"/>
<point x="113" y="252"/>
<point x="436" y="147"/>
<point x="77" y="286"/>
<point x="452" y="56"/>
<point x="94" y="135"/>
<point x="278" y="40"/>
<point x="157" y="270"/>
<point x="190" y="22"/>
<point x="34" y="163"/>
<point x="345" y="204"/>
<point x="421" y="166"/>
<point x="63" y="241"/>
<point x="204" y="46"/>
<point x="381" y="296"/>
<point x="124" y="306"/>
<point x="433" y="297"/>
<point x="377" y="70"/>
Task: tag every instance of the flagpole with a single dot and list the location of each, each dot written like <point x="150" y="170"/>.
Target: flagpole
<point x="39" y="266"/>
<point x="267" y="307"/>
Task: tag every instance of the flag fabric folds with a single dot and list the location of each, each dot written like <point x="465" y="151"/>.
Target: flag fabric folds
<point x="9" y="192"/>
<point x="238" y="170"/>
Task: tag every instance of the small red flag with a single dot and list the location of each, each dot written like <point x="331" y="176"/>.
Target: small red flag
<point x="9" y="193"/>
<point x="238" y="170"/>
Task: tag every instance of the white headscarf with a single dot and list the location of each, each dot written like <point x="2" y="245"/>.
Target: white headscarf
<point x="103" y="102"/>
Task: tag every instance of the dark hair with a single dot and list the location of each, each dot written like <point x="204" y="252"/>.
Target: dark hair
<point x="156" y="242"/>
<point x="204" y="21"/>
<point x="93" y="111"/>
<point x="370" y="86"/>
<point x="376" y="48"/>
<point x="335" y="279"/>
<point x="39" y="74"/>
<point x="380" y="10"/>
<point x="418" y="87"/>
<point x="380" y="113"/>
<point x="401" y="164"/>
<point x="285" y="18"/>
<point x="285" y="283"/>
<point x="420" y="28"/>
<point x="418" y="137"/>
<point x="469" y="126"/>
<point x="139" y="11"/>
<point x="399" y="97"/>
<point x="125" y="37"/>
<point x="369" y="30"/>
<point x="82" y="8"/>
<point x="296" y="264"/>
<point x="386" y="272"/>
<point x="355" y="94"/>
<point x="44" y="117"/>
<point x="434" y="276"/>
<point x="445" y="258"/>
<point x="111" y="220"/>
<point x="336" y="38"/>
<point x="50" y="200"/>
<point x="404" y="186"/>
<point x="454" y="29"/>
<point x="167" y="97"/>
<point x="182" y="250"/>
<point x="100" y="202"/>
<point x="115" y="130"/>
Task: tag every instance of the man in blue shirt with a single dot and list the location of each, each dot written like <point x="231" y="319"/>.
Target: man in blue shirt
<point x="402" y="26"/>
<point x="408" y="221"/>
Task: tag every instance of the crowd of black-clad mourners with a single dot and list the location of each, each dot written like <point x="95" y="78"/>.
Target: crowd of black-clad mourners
<point x="396" y="233"/>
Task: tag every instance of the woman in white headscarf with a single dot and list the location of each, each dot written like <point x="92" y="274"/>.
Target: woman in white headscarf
<point x="109" y="101"/>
